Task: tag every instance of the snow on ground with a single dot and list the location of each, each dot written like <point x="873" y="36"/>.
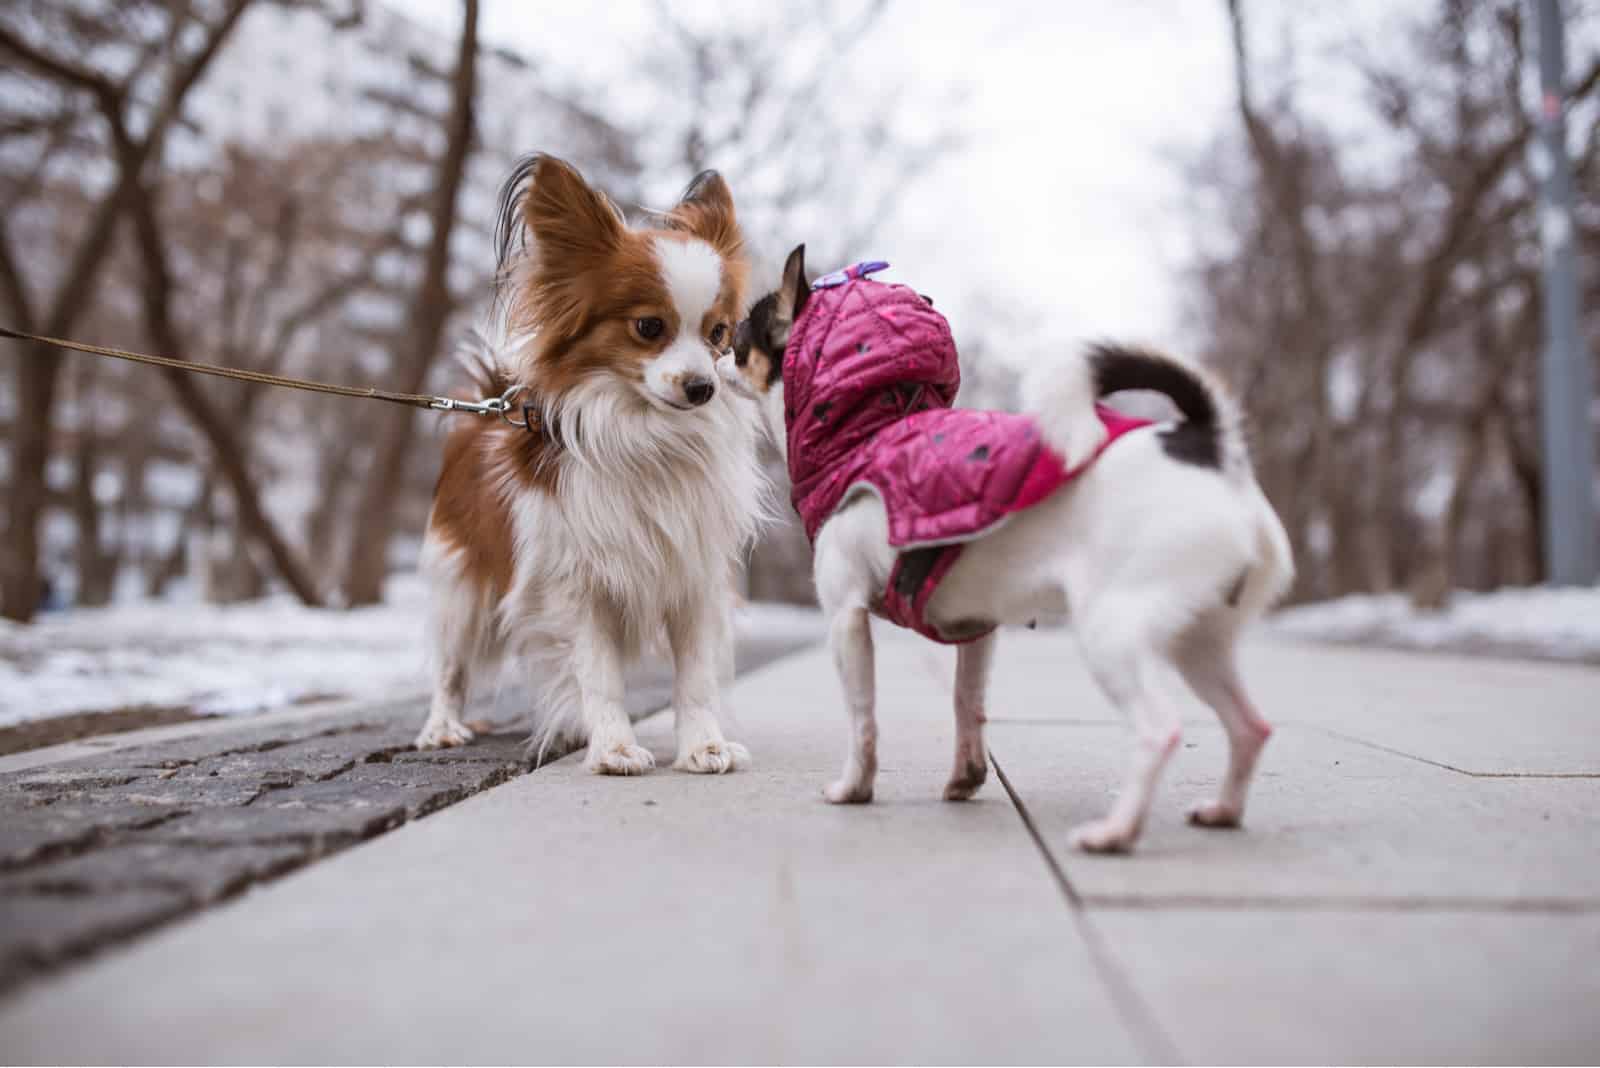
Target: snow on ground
<point x="1544" y="622"/>
<point x="216" y="659"/>
<point x="242" y="658"/>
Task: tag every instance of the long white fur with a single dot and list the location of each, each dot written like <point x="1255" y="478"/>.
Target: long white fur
<point x="1158" y="563"/>
<point x="1068" y="386"/>
<point x="693" y="273"/>
<point x="654" y="509"/>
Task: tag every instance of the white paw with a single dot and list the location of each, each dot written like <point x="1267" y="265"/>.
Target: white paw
<point x="622" y="758"/>
<point x="444" y="734"/>
<point x="1215" y="814"/>
<point x="714" y="758"/>
<point x="845" y="792"/>
<point x="1103" y="836"/>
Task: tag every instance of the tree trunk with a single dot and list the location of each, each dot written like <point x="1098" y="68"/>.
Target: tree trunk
<point x="1530" y="486"/>
<point x="1282" y="170"/>
<point x="97" y="569"/>
<point x="323" y="528"/>
<point x="227" y="452"/>
<point x="368" y="560"/>
<point x="21" y="583"/>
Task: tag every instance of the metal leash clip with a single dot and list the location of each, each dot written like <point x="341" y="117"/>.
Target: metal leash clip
<point x="502" y="406"/>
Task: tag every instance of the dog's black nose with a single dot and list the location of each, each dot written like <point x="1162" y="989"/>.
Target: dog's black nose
<point x="699" y="389"/>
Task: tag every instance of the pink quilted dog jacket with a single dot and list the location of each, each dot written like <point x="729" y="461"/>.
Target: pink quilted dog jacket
<point x="869" y="377"/>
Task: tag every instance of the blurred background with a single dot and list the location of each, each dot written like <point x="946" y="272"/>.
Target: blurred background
<point x="1337" y="206"/>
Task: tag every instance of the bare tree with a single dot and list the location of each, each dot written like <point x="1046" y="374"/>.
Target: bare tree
<point x="1383" y="321"/>
<point x="345" y="255"/>
<point x="39" y="369"/>
<point x="431" y="306"/>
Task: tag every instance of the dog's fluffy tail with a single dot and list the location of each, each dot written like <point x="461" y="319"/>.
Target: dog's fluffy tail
<point x="1210" y="433"/>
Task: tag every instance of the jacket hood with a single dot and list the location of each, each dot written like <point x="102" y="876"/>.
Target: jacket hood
<point x="861" y="356"/>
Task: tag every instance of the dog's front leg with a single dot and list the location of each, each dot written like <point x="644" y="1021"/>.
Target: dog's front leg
<point x="597" y="663"/>
<point x="699" y="638"/>
<point x="850" y="635"/>
<point x="973" y="660"/>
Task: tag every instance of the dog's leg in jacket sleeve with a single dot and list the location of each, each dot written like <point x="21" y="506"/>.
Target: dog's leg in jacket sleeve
<point x="850" y="636"/>
<point x="973" y="660"/>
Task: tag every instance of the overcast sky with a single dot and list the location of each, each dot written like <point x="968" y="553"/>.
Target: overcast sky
<point x="1067" y="202"/>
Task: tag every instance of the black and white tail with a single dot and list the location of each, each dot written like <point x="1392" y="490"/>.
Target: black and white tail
<point x="1210" y="434"/>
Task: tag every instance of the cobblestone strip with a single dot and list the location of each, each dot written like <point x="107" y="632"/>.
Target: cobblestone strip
<point x="99" y="849"/>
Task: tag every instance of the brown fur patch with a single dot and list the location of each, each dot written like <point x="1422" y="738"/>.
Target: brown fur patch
<point x="757" y="370"/>
<point x="470" y="510"/>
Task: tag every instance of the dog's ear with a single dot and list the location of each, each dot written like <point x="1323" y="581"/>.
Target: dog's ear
<point x="566" y="218"/>
<point x="794" y="290"/>
<point x="706" y="211"/>
<point x="554" y="230"/>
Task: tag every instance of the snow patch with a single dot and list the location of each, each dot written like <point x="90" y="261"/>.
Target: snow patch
<point x="217" y="659"/>
<point x="1548" y="623"/>
<point x="242" y="659"/>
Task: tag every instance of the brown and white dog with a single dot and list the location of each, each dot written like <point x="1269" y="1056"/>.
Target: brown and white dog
<point x="621" y="514"/>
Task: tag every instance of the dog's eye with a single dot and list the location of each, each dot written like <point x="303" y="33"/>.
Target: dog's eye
<point x="649" y="327"/>
<point x="719" y="334"/>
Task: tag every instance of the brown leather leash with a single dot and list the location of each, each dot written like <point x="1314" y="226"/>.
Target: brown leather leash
<point x="503" y="405"/>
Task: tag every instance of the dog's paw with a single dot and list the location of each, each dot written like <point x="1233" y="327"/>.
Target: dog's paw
<point x="1103" y="836"/>
<point x="1216" y="815"/>
<point x="621" y="758"/>
<point x="966" y="782"/>
<point x="714" y="758"/>
<point x="444" y="734"/>
<point x="845" y="792"/>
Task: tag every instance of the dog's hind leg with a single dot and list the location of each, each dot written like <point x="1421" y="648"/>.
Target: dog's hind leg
<point x="973" y="660"/>
<point x="1208" y="662"/>
<point x="1127" y="656"/>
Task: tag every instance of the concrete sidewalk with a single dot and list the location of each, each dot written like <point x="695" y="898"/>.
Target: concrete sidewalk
<point x="1419" y="881"/>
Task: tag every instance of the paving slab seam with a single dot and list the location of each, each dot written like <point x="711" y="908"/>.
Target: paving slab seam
<point x="89" y="840"/>
<point x="1507" y="652"/>
<point x="1055" y="721"/>
<point x="1214" y="903"/>
<point x="1341" y="735"/>
<point x="1136" y="1013"/>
